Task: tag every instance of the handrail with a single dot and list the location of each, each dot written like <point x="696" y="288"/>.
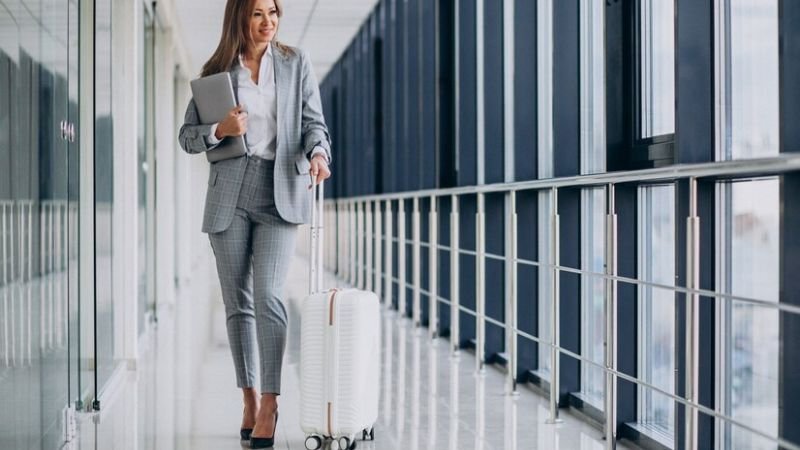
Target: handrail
<point x="743" y="168"/>
<point x="356" y="269"/>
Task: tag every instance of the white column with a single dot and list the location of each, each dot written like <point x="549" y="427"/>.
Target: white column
<point x="126" y="22"/>
<point x="166" y="153"/>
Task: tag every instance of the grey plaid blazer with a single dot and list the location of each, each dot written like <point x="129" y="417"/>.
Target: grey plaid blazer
<point x="301" y="127"/>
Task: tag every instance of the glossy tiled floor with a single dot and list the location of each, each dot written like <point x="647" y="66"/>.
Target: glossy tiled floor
<point x="429" y="400"/>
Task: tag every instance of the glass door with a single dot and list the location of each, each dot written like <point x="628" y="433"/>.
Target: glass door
<point x="81" y="337"/>
<point x="38" y="220"/>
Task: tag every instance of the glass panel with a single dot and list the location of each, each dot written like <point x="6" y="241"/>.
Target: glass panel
<point x="104" y="192"/>
<point x="657" y="308"/>
<point x="593" y="156"/>
<point x="544" y="42"/>
<point x="145" y="151"/>
<point x="593" y="89"/>
<point x="593" y="295"/>
<point x="545" y="282"/>
<point x="750" y="242"/>
<point x="34" y="213"/>
<point x="657" y="53"/>
<point x="750" y="79"/>
<point x="80" y="309"/>
<point x="544" y="87"/>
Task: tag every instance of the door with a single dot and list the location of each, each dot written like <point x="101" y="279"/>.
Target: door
<point x="38" y="220"/>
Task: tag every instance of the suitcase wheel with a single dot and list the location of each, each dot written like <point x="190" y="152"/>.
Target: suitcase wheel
<point x="343" y="443"/>
<point x="313" y="443"/>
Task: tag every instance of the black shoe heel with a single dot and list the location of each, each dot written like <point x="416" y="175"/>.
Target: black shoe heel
<point x="245" y="433"/>
<point x="257" y="442"/>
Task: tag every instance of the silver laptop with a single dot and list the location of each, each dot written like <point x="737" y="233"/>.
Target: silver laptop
<point x="213" y="96"/>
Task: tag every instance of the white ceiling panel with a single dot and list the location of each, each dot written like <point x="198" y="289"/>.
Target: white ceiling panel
<point x="323" y="28"/>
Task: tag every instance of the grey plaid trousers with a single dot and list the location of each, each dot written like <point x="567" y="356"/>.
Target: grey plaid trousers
<point x="253" y="256"/>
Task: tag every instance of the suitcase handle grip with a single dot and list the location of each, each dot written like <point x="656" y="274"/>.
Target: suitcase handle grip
<point x="317" y="220"/>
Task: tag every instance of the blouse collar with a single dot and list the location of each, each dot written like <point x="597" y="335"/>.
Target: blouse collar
<point x="267" y="54"/>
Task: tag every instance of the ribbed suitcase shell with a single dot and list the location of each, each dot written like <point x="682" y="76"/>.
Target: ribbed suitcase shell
<point x="339" y="363"/>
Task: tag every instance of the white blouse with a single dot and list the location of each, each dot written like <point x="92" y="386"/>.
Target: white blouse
<point x="260" y="103"/>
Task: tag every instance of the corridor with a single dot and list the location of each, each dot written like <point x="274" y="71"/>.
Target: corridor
<point x="429" y="400"/>
<point x="594" y="201"/>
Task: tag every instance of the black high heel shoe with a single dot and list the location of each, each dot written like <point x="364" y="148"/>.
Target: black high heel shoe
<point x="257" y="442"/>
<point x="245" y="433"/>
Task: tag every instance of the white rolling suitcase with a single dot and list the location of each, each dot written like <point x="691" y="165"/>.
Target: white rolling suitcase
<point x="339" y="356"/>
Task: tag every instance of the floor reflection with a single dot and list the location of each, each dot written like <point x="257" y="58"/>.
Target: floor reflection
<point x="430" y="398"/>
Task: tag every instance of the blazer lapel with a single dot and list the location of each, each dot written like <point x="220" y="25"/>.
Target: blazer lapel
<point x="234" y="72"/>
<point x="282" y="72"/>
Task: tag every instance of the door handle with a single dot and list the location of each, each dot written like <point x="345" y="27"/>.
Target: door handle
<point x="71" y="132"/>
<point x="64" y="130"/>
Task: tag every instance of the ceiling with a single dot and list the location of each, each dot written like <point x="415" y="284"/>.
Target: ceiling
<point x="323" y="28"/>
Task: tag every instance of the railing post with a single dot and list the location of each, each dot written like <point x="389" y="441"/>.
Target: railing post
<point x="555" y="333"/>
<point x="326" y="254"/>
<point x="360" y="265"/>
<point x="611" y="321"/>
<point x="339" y="240"/>
<point x="368" y="270"/>
<point x="480" y="283"/>
<point x="455" y="310"/>
<point x="330" y="234"/>
<point x="4" y="244"/>
<point x="42" y="268"/>
<point x="511" y="292"/>
<point x="344" y="263"/>
<point x="401" y="257"/>
<point x="379" y="243"/>
<point x="13" y="287"/>
<point x="57" y="257"/>
<point x="353" y="239"/>
<point x="387" y="292"/>
<point x="692" y="315"/>
<point x="416" y="307"/>
<point x="433" y="269"/>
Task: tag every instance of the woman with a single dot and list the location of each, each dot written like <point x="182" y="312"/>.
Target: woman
<point x="254" y="202"/>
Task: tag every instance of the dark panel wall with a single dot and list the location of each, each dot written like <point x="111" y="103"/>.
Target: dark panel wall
<point x="566" y="88"/>
<point x="467" y="87"/>
<point x="493" y="92"/>
<point x="789" y="396"/>
<point x="525" y="114"/>
<point x="402" y="106"/>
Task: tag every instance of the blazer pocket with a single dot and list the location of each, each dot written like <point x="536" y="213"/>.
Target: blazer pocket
<point x="212" y="177"/>
<point x="303" y="165"/>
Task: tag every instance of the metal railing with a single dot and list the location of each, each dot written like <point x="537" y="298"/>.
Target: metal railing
<point x="345" y="244"/>
<point x="35" y="256"/>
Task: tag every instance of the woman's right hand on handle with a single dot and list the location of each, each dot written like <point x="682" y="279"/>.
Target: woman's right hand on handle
<point x="234" y="124"/>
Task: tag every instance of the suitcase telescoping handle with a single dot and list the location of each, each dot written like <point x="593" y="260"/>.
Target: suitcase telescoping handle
<point x="317" y="232"/>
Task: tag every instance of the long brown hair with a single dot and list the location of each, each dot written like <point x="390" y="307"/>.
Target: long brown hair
<point x="236" y="36"/>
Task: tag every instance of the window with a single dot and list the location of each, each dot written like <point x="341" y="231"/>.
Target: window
<point x="654" y="132"/>
<point x="593" y="295"/>
<point x="593" y="203"/>
<point x="544" y="29"/>
<point x="593" y="100"/>
<point x="748" y="82"/>
<point x="656" y="329"/>
<point x="657" y="68"/>
<point x="748" y="239"/>
<point x="748" y="232"/>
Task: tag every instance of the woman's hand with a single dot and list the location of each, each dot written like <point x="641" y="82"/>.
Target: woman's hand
<point x="319" y="169"/>
<point x="234" y="124"/>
